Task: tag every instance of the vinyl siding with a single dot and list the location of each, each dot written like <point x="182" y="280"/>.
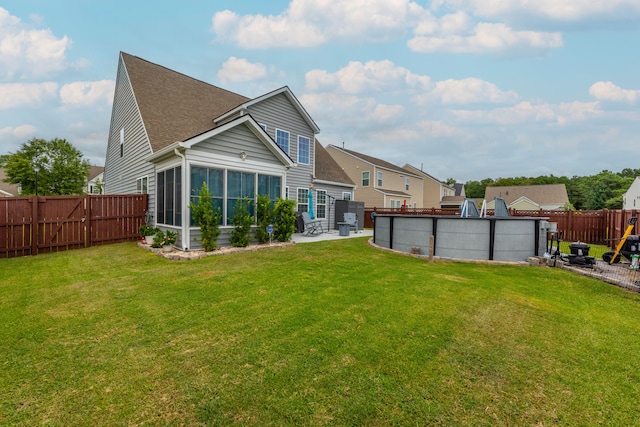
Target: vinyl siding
<point x="354" y="168"/>
<point x="121" y="173"/>
<point x="232" y="142"/>
<point x="278" y="112"/>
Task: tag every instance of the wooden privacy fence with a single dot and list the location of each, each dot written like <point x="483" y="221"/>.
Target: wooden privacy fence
<point x="35" y="225"/>
<point x="596" y="227"/>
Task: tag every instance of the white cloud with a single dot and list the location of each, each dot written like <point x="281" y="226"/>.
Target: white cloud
<point x="387" y="113"/>
<point x="26" y="94"/>
<point x="18" y="132"/>
<point x="607" y="91"/>
<point x="437" y="128"/>
<point x="27" y="51"/>
<point x="87" y="93"/>
<point x="238" y="70"/>
<point x="372" y="76"/>
<point x="308" y="23"/>
<point x="485" y="38"/>
<point x="558" y="10"/>
<point x="528" y="113"/>
<point x="466" y="91"/>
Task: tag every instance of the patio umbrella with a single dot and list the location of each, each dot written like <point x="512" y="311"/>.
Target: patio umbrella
<point x="311" y="215"/>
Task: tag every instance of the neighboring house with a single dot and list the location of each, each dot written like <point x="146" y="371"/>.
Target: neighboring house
<point x="454" y="201"/>
<point x="434" y="191"/>
<point x="95" y="183"/>
<point x="631" y="199"/>
<point x="170" y="133"/>
<point x="7" y="189"/>
<point x="379" y="183"/>
<point x="529" y="197"/>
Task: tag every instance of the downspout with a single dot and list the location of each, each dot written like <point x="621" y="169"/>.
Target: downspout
<point x="185" y="221"/>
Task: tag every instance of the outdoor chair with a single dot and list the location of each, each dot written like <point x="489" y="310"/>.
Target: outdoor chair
<point x="351" y="219"/>
<point x="311" y="226"/>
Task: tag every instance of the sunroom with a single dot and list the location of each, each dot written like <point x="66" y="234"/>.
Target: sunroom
<point x="236" y="160"/>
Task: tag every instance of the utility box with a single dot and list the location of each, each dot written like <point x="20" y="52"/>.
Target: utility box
<point x="343" y="228"/>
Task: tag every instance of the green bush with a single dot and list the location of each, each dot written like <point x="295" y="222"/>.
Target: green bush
<point x="265" y="217"/>
<point x="284" y="219"/>
<point x="207" y="218"/>
<point x="242" y="222"/>
<point x="147" y="230"/>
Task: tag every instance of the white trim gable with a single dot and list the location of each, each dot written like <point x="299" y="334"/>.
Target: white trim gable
<point x="245" y="120"/>
<point x="287" y="92"/>
<point x="526" y="200"/>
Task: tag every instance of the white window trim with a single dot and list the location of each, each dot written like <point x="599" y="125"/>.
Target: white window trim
<point x="140" y="180"/>
<point x="288" y="150"/>
<point x="317" y="203"/>
<point x="379" y="179"/>
<point x="306" y="203"/>
<point x="368" y="178"/>
<point x="122" y="142"/>
<point x="308" y="149"/>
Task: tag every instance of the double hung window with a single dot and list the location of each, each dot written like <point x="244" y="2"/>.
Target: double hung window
<point x="303" y="150"/>
<point x="282" y="139"/>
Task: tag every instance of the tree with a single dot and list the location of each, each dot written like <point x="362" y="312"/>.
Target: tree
<point x="265" y="218"/>
<point x="242" y="221"/>
<point x="207" y="218"/>
<point x="285" y="219"/>
<point x="450" y="181"/>
<point x="61" y="169"/>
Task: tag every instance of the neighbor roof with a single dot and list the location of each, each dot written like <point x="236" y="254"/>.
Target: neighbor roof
<point x="327" y="169"/>
<point x="375" y="161"/>
<point x="174" y="106"/>
<point x="541" y="194"/>
<point x="95" y="171"/>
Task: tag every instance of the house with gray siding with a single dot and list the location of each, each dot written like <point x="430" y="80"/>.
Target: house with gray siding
<point x="170" y="133"/>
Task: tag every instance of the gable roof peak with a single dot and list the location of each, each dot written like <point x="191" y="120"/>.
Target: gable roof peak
<point x="172" y="105"/>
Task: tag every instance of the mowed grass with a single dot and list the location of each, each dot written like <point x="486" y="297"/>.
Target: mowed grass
<point x="328" y="333"/>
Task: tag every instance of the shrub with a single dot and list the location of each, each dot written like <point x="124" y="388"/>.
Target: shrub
<point x="161" y="238"/>
<point x="284" y="219"/>
<point x="265" y="217"/>
<point x="147" y="230"/>
<point x="242" y="222"/>
<point x="207" y="218"/>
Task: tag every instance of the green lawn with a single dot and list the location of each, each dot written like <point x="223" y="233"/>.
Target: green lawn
<point x="329" y="333"/>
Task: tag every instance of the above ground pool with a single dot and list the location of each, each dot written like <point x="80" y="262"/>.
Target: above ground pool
<point x="488" y="238"/>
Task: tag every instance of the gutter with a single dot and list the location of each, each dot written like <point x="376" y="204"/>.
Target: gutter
<point x="185" y="226"/>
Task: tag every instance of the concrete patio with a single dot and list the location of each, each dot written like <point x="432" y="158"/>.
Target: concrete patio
<point x="329" y="235"/>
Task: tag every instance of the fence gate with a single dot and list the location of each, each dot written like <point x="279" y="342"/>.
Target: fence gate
<point x="35" y="225"/>
<point x="60" y="224"/>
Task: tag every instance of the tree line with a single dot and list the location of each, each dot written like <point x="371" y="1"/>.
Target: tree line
<point x="47" y="168"/>
<point x="601" y="191"/>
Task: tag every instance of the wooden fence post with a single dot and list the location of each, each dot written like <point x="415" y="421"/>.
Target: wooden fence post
<point x="34" y="225"/>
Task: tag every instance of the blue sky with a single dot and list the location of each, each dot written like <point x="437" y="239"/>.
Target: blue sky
<point x="465" y="89"/>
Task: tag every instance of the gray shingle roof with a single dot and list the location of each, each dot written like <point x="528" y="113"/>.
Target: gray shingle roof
<point x="175" y="107"/>
<point x="376" y="161"/>
<point x="327" y="169"/>
<point x="541" y="194"/>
